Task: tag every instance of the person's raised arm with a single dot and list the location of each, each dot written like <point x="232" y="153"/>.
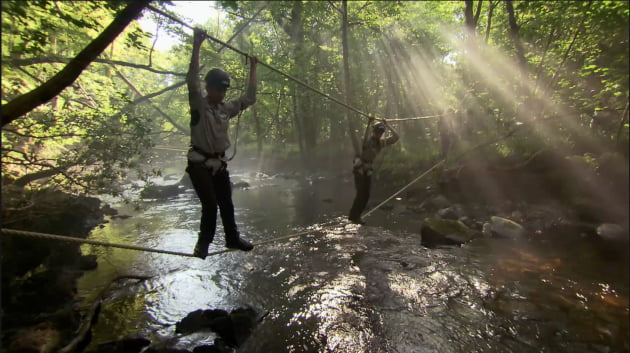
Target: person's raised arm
<point x="195" y="97"/>
<point x="366" y="135"/>
<point x="249" y="97"/>
<point x="394" y="137"/>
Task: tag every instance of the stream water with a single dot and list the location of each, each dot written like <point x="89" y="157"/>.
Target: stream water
<point x="348" y="288"/>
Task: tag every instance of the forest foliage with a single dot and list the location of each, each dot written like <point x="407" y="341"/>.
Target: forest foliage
<point x="555" y="71"/>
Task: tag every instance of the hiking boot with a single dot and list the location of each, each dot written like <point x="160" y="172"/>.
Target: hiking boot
<point x="240" y="244"/>
<point x="356" y="220"/>
<point x="201" y="250"/>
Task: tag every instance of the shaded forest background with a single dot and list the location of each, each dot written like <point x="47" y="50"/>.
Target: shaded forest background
<point x="514" y="78"/>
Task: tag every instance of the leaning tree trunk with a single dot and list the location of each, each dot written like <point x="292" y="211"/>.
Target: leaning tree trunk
<point x="64" y="78"/>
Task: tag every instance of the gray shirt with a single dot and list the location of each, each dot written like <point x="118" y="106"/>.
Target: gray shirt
<point x="371" y="147"/>
<point x="209" y="123"/>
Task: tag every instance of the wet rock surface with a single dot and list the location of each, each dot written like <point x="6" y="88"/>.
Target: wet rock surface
<point x="232" y="329"/>
<point x="38" y="275"/>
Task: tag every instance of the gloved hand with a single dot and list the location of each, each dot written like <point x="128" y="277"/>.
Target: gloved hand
<point x="214" y="165"/>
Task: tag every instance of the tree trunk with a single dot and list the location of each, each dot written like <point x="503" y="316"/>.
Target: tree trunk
<point x="42" y="94"/>
<point x="624" y="118"/>
<point x="489" y="25"/>
<point x="516" y="39"/>
<point x="469" y="20"/>
<point x="46" y="173"/>
<point x="346" y="75"/>
<point x="477" y="13"/>
<point x="259" y="133"/>
<point x="297" y="121"/>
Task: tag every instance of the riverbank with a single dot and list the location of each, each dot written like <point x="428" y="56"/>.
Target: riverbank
<point x="38" y="275"/>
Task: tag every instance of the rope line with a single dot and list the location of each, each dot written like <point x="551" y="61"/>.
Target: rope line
<point x="64" y="238"/>
<point x="403" y="188"/>
<point x="415" y="118"/>
<point x="302" y="83"/>
<point x="89" y="241"/>
<point x="48" y="236"/>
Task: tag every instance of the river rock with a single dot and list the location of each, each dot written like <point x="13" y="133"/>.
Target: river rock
<point x="437" y="231"/>
<point x="219" y="346"/>
<point x="199" y="319"/>
<point x="207" y="349"/>
<point x="87" y="262"/>
<point x="108" y="210"/>
<point x="241" y="185"/>
<point x="612" y="232"/>
<point x="233" y="328"/>
<point x="503" y="228"/>
<point x="435" y="203"/>
<point x="452" y="212"/>
<point x="41" y="338"/>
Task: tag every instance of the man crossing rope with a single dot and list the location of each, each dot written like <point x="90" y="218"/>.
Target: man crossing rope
<point x="362" y="166"/>
<point x="207" y="165"/>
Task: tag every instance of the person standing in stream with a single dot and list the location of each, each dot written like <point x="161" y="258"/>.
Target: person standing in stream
<point x="362" y="166"/>
<point x="207" y="165"/>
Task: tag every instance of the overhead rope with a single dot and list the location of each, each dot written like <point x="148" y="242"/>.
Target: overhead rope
<point x="152" y="8"/>
<point x="415" y="118"/>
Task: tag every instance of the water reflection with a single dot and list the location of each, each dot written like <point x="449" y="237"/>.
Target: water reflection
<point x="345" y="288"/>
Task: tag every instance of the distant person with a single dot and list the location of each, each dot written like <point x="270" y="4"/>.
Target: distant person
<point x="207" y="166"/>
<point x="362" y="169"/>
<point x="445" y="130"/>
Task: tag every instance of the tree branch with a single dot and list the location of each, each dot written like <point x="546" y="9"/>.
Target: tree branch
<point x="238" y="31"/>
<point x="42" y="94"/>
<point x="164" y="115"/>
<point x="52" y="60"/>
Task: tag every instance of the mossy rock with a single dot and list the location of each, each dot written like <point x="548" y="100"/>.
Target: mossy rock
<point x="449" y="226"/>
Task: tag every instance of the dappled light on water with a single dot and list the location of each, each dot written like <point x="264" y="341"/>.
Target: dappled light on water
<point x="350" y="288"/>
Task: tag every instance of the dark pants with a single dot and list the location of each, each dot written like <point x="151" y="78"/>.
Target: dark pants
<point x="362" y="184"/>
<point x="213" y="190"/>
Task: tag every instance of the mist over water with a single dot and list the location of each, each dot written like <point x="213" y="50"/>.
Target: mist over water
<point x="346" y="288"/>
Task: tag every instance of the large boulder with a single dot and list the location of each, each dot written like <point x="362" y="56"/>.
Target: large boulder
<point x="232" y="327"/>
<point x="613" y="233"/>
<point x="437" y="231"/>
<point x="503" y="228"/>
